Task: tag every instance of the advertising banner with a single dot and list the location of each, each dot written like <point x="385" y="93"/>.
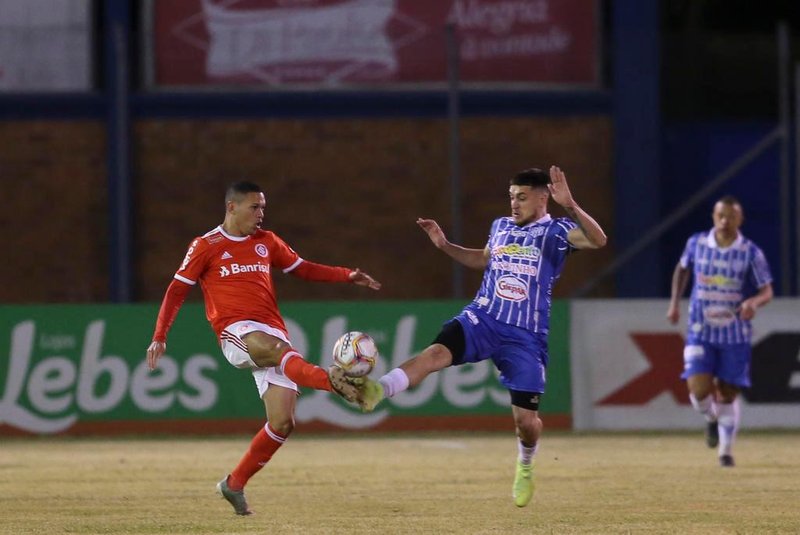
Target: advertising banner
<point x="332" y="44"/>
<point x="45" y="45"/>
<point x="627" y="360"/>
<point x="80" y="369"/>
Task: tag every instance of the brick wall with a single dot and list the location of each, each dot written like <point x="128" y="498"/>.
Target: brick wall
<point x="340" y="191"/>
<point x="348" y="192"/>
<point x="53" y="215"/>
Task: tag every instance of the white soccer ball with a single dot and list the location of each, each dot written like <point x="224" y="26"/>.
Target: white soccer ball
<point x="355" y="353"/>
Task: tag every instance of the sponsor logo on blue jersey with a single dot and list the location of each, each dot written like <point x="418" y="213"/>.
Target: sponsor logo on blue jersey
<point x="524" y="264"/>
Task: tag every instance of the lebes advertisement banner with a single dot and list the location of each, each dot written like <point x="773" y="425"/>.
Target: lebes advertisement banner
<point x="351" y="43"/>
<point x="627" y="361"/>
<point x="80" y="369"/>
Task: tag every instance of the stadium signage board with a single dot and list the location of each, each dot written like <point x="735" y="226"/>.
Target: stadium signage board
<point x="341" y="44"/>
<point x="627" y="361"/>
<point x="80" y="369"/>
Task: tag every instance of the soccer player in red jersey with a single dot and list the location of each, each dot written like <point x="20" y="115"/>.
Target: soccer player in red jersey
<point x="233" y="265"/>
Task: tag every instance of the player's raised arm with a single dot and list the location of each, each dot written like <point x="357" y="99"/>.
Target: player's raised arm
<point x="472" y="258"/>
<point x="313" y="271"/>
<point x="290" y="262"/>
<point x="589" y="234"/>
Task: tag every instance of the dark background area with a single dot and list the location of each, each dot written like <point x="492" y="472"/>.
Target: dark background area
<point x="347" y="173"/>
<point x="719" y="95"/>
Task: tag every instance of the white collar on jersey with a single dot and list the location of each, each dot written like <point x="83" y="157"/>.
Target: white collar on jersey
<point x="711" y="241"/>
<point x="234" y="238"/>
<point x="544" y="219"/>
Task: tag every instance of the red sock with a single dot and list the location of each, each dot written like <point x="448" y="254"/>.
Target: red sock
<point x="262" y="447"/>
<point x="295" y="367"/>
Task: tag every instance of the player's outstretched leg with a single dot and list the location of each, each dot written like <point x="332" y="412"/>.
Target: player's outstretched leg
<point x="234" y="497"/>
<point x="522" y="492"/>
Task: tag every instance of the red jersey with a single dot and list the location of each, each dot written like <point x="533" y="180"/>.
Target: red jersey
<point x="235" y="275"/>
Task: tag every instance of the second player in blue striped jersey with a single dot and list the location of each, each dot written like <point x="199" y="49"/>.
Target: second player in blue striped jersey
<point x="731" y="281"/>
<point x="524" y="264"/>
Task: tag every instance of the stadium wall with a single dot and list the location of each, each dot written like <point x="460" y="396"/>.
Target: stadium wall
<point x="340" y="191"/>
<point x="53" y="211"/>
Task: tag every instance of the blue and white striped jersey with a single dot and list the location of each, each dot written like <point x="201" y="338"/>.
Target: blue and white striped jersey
<point x="723" y="278"/>
<point x="524" y="263"/>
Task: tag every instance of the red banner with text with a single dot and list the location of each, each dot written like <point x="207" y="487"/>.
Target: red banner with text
<point x="335" y="44"/>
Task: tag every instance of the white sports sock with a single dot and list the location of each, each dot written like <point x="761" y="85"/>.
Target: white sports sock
<point x="393" y="382"/>
<point x="728" y="425"/>
<point x="705" y="406"/>
<point x="526" y="453"/>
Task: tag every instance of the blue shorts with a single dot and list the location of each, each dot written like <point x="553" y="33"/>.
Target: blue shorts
<point x="520" y="355"/>
<point x="729" y="363"/>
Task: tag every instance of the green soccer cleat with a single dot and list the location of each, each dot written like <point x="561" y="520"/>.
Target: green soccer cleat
<point x="370" y="393"/>
<point x="523" y="485"/>
<point x="235" y="497"/>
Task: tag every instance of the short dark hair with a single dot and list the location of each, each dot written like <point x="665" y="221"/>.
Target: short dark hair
<point x="533" y="177"/>
<point x="730" y="200"/>
<point x="236" y="190"/>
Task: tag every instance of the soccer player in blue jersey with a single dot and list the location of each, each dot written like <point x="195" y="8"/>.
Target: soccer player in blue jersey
<point x="507" y="321"/>
<point x="731" y="281"/>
